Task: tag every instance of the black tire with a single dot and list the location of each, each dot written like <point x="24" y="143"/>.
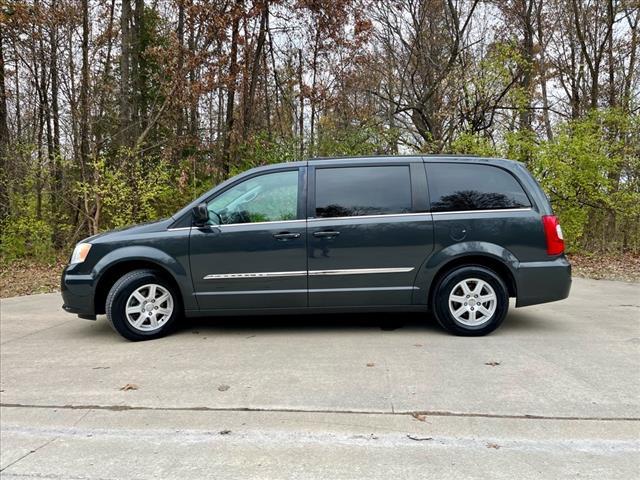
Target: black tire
<point x="117" y="302"/>
<point x="440" y="301"/>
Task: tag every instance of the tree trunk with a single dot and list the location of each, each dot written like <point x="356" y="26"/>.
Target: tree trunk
<point x="301" y="113"/>
<point x="180" y="35"/>
<point x="125" y="70"/>
<point x="255" y="71"/>
<point x="526" y="18"/>
<point x="193" y="107"/>
<point x="4" y="139"/>
<point x="56" y="161"/>
<point x="312" y="100"/>
<point x="138" y="80"/>
<point x="231" y="90"/>
<point x="84" y="110"/>
<point x="542" y="67"/>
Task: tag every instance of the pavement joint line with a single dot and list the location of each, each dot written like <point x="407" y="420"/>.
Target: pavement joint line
<point x="433" y="413"/>
<point x="48" y="442"/>
<point x="36" y="332"/>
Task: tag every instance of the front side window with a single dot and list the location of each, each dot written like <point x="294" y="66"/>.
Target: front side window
<point x="356" y="191"/>
<point x="459" y="187"/>
<point x="267" y="198"/>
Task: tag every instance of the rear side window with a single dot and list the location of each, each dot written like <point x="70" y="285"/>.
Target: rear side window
<point x="354" y="191"/>
<point x="456" y="187"/>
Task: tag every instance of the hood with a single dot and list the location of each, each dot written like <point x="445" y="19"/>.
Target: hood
<point x="132" y="229"/>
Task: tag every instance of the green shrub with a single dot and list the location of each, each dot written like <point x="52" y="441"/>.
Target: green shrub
<point x="26" y="236"/>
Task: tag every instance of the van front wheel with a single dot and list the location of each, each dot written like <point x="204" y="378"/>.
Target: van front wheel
<point x="142" y="305"/>
<point x="471" y="301"/>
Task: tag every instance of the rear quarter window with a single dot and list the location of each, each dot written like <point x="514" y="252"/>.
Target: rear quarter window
<point x="464" y="186"/>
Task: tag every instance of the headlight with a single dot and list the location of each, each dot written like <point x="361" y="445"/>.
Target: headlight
<point x="80" y="252"/>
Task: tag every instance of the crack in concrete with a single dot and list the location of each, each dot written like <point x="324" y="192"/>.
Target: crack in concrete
<point x="48" y="442"/>
<point x="433" y="413"/>
<point x="36" y="332"/>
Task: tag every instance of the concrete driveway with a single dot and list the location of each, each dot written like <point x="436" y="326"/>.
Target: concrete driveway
<point x="554" y="393"/>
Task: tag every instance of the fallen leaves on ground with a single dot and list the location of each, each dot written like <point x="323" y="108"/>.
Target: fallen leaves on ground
<point x="27" y="277"/>
<point x="129" y="386"/>
<point x="421" y="417"/>
<point x="492" y="364"/>
<point x="371" y="436"/>
<point x="223" y="388"/>
<point x="371" y="364"/>
<point x="493" y="445"/>
<point x="225" y="432"/>
<point x="623" y="266"/>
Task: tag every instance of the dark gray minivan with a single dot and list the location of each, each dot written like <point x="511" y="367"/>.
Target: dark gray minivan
<point x="456" y="236"/>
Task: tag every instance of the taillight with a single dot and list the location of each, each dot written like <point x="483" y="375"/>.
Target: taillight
<point x="553" y="234"/>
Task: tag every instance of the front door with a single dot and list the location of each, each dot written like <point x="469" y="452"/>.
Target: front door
<point x="253" y="253"/>
<point x="368" y="233"/>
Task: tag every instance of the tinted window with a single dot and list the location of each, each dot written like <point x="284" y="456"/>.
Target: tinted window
<point x="267" y="198"/>
<point x="352" y="191"/>
<point x="473" y="187"/>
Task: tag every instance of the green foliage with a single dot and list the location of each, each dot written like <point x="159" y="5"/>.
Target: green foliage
<point x="340" y="140"/>
<point x="470" y="144"/>
<point x="27" y="237"/>
<point x="130" y="192"/>
<point x="581" y="169"/>
<point x="263" y="150"/>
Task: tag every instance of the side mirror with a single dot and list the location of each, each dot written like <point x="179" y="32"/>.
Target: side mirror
<point x="200" y="215"/>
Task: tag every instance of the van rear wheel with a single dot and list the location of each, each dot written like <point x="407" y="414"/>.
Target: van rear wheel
<point x="142" y="305"/>
<point x="470" y="300"/>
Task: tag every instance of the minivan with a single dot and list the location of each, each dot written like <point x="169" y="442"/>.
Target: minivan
<point x="451" y="235"/>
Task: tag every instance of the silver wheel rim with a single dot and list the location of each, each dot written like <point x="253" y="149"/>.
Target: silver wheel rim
<point x="149" y="307"/>
<point x="472" y="302"/>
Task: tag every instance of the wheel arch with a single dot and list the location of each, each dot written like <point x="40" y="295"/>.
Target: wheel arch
<point x="490" y="256"/>
<point x="111" y="269"/>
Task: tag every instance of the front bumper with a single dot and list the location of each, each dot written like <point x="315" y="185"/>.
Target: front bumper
<point x="542" y="282"/>
<point x="78" y="293"/>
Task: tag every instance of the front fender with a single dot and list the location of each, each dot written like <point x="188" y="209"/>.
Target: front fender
<point x="440" y="258"/>
<point x="151" y="255"/>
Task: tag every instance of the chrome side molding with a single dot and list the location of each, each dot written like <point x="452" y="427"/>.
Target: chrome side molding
<point x="360" y="271"/>
<point x="298" y="273"/>
<point x="224" y="276"/>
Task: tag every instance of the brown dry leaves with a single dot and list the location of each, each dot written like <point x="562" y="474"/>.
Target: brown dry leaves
<point x="421" y="417"/>
<point x="623" y="267"/>
<point x="26" y="277"/>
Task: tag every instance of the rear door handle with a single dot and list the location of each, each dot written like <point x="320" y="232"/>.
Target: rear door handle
<point x="286" y="236"/>
<point x="326" y="234"/>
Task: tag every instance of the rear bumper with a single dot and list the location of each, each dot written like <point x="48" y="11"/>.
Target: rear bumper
<point x="77" y="293"/>
<point x="542" y="282"/>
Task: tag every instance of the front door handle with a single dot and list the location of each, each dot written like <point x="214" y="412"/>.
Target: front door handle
<point x="326" y="234"/>
<point x="286" y="236"/>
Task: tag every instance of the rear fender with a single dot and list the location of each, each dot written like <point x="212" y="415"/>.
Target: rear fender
<point x="454" y="255"/>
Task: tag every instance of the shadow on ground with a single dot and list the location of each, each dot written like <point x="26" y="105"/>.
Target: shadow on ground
<point x="516" y="321"/>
